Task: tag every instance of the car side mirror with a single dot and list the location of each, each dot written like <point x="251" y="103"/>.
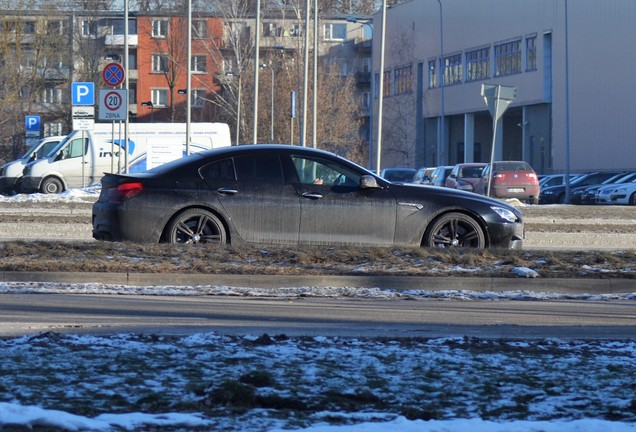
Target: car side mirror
<point x="369" y="182"/>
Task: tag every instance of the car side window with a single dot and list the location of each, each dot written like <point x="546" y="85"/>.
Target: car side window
<point x="259" y="168"/>
<point x="220" y="170"/>
<point x="324" y="172"/>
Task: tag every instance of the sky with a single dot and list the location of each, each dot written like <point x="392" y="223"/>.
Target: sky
<point x="46" y="379"/>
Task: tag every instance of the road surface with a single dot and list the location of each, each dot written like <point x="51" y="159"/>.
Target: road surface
<point x="99" y="314"/>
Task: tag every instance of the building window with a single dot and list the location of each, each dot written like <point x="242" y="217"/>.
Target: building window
<point x="55" y="28"/>
<point x="433" y="80"/>
<point x="52" y="95"/>
<point x="404" y="80"/>
<point x="51" y="129"/>
<point x="335" y="31"/>
<point x="366" y="101"/>
<point x="531" y="53"/>
<point x="197" y="98"/>
<point x="160" y="28"/>
<point x="89" y="28"/>
<point x="388" y="83"/>
<point x="28" y="27"/>
<point x="159" y="63"/>
<point x="452" y="67"/>
<point x="159" y="97"/>
<point x="478" y="64"/>
<point x="508" y="58"/>
<point x="199" y="29"/>
<point x="199" y="63"/>
<point x="338" y="66"/>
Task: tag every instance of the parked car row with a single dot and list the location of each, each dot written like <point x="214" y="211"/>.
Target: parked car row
<point x="509" y="179"/>
<point x="609" y="187"/>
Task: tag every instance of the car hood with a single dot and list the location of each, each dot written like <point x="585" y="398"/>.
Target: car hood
<point x="448" y="196"/>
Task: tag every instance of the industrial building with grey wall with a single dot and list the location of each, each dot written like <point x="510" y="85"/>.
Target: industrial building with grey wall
<point x="572" y="63"/>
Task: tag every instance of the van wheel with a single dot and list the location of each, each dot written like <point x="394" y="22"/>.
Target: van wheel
<point x="453" y="230"/>
<point x="51" y="185"/>
<point x="196" y="226"/>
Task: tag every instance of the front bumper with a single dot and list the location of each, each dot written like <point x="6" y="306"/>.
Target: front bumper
<point x="31" y="184"/>
<point x="7" y="184"/>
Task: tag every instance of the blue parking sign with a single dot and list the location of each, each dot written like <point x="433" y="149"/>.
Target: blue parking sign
<point x="32" y="124"/>
<point x="83" y="93"/>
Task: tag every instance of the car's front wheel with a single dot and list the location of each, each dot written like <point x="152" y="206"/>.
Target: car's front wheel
<point x="52" y="185"/>
<point x="196" y="226"/>
<point x="453" y="230"/>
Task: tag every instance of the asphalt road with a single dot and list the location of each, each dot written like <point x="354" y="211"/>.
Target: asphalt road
<point x="97" y="314"/>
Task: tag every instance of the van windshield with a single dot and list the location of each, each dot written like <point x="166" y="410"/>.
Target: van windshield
<point x="39" y="151"/>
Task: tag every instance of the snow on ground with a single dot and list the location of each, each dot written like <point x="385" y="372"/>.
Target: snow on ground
<point x="136" y="382"/>
<point x="212" y="382"/>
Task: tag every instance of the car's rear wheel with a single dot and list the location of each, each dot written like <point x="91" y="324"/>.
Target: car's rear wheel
<point x="632" y="199"/>
<point x="196" y="226"/>
<point x="453" y="230"/>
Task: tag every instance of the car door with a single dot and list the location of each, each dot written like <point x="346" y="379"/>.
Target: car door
<point x="336" y="210"/>
<point x="258" y="203"/>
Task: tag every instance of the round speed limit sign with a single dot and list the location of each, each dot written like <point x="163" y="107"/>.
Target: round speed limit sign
<point x="112" y="105"/>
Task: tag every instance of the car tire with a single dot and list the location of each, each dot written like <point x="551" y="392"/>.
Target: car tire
<point x="51" y="185"/>
<point x="632" y="199"/>
<point x="196" y="226"/>
<point x="534" y="200"/>
<point x="453" y="230"/>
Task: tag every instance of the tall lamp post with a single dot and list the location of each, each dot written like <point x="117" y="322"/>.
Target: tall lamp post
<point x="378" y="156"/>
<point x="442" y="126"/>
<point x="271" y="126"/>
<point x="365" y="22"/>
<point x="238" y="105"/>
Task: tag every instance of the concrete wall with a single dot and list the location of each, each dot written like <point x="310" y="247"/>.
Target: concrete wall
<point x="600" y="35"/>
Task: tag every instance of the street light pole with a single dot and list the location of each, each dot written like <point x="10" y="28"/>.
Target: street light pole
<point x="256" y="69"/>
<point x="271" y="126"/>
<point x="442" y="127"/>
<point x="189" y="80"/>
<point x="381" y="90"/>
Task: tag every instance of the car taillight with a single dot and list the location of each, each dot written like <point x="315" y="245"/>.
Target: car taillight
<point x="124" y="191"/>
<point x="532" y="176"/>
<point x="499" y="176"/>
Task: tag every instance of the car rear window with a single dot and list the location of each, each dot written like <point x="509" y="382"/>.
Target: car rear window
<point x="512" y="166"/>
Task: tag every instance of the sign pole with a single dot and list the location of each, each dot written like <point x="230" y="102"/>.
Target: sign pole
<point x="497" y="98"/>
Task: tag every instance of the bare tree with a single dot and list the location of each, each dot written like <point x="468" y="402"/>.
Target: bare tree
<point x="32" y="51"/>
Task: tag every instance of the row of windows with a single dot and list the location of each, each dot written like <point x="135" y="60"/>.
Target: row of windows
<point x="30" y="27"/>
<point x="396" y="81"/>
<point x="159" y="97"/>
<point x="160" y="28"/>
<point x="478" y="63"/>
<point x="160" y="63"/>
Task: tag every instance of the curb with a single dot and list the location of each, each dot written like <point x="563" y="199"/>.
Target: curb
<point x="560" y="286"/>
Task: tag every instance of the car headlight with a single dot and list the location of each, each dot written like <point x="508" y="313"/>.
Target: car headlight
<point x="504" y="213"/>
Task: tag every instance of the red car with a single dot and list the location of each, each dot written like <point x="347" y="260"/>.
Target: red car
<point x="510" y="179"/>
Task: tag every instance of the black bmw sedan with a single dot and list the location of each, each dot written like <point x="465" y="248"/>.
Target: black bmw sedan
<point x="293" y="195"/>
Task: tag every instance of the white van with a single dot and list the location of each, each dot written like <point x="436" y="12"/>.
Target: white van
<point x="11" y="172"/>
<point x="74" y="163"/>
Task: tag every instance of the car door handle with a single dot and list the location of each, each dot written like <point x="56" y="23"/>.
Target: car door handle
<point x="311" y="195"/>
<point x="224" y="191"/>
